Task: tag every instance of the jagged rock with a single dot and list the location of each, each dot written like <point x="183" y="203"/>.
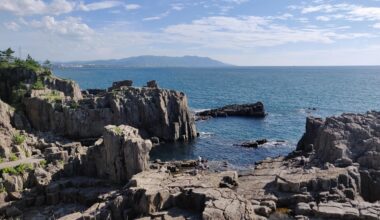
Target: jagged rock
<point x="122" y="153"/>
<point x="160" y="113"/>
<point x="247" y="110"/>
<point x="120" y="84"/>
<point x="6" y="129"/>
<point x="13" y="211"/>
<point x="152" y="84"/>
<point x="345" y="140"/>
<point x="41" y="177"/>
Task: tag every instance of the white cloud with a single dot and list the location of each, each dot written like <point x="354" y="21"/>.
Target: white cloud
<point x="236" y="1"/>
<point x="377" y="25"/>
<point x="177" y="7"/>
<point x="57" y="7"/>
<point x="13" y="26"/>
<point x="250" y="32"/>
<point x="158" y="17"/>
<point x="323" y="18"/>
<point x="31" y="7"/>
<point x="132" y="6"/>
<point x="70" y="26"/>
<point x="98" y="5"/>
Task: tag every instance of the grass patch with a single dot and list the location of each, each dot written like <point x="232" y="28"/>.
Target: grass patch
<point x="43" y="163"/>
<point x="53" y="96"/>
<point x="18" y="138"/>
<point x="38" y="85"/>
<point x="20" y="169"/>
<point x="13" y="157"/>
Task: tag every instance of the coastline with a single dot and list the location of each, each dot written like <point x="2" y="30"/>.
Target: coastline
<point x="112" y="177"/>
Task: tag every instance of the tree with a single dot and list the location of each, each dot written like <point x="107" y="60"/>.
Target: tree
<point x="47" y="64"/>
<point x="9" y="55"/>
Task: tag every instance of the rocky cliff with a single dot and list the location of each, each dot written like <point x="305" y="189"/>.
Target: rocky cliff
<point x="155" y="112"/>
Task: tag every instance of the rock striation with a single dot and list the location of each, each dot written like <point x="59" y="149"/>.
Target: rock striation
<point x="119" y="155"/>
<point x="247" y="110"/>
<point x="155" y="112"/>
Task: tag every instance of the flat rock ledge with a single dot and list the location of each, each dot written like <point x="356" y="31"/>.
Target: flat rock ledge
<point x="255" y="110"/>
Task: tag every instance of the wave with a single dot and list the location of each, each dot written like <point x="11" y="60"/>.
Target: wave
<point x="206" y="134"/>
<point x="196" y="110"/>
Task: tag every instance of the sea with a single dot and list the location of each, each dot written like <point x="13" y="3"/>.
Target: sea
<point x="289" y="94"/>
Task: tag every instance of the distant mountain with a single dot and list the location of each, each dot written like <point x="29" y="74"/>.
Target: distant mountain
<point x="149" y="61"/>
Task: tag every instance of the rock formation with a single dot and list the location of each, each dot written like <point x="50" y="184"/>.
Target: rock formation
<point x="155" y="112"/>
<point x="247" y="110"/>
<point x="120" y="154"/>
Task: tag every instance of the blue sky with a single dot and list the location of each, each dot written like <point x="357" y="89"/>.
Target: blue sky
<point x="242" y="32"/>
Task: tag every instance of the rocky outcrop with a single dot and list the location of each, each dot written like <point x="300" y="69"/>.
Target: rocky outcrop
<point x="155" y="112"/>
<point x="119" y="155"/>
<point x="348" y="139"/>
<point x="247" y="110"/>
<point x="6" y="129"/>
<point x="121" y="84"/>
<point x="15" y="81"/>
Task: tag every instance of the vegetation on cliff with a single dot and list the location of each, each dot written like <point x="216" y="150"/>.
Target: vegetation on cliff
<point x="8" y="60"/>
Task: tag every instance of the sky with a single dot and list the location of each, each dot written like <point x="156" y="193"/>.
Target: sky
<point x="240" y="32"/>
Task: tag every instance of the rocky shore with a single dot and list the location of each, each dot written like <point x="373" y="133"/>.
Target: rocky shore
<point x="71" y="154"/>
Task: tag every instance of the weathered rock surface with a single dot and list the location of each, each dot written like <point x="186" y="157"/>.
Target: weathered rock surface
<point x="246" y="110"/>
<point x="6" y="129"/>
<point x="348" y="139"/>
<point x="155" y="112"/>
<point x="121" y="154"/>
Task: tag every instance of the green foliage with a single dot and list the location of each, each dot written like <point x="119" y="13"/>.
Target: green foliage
<point x="38" y="85"/>
<point x="7" y="60"/>
<point x="74" y="105"/>
<point x="9" y="170"/>
<point x="13" y="157"/>
<point x="53" y="96"/>
<point x="2" y="188"/>
<point x="18" y="138"/>
<point x="20" y="169"/>
<point x="18" y="93"/>
<point x="43" y="163"/>
<point x="1" y="160"/>
<point x="118" y="130"/>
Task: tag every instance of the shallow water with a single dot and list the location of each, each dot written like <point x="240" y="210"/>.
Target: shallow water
<point x="287" y="93"/>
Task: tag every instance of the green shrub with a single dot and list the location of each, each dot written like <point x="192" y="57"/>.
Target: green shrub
<point x="13" y="157"/>
<point x="1" y="160"/>
<point x="38" y="85"/>
<point x="74" y="105"/>
<point x="18" y="93"/>
<point x="18" y="138"/>
<point x="43" y="163"/>
<point x="9" y="170"/>
<point x="22" y="168"/>
<point x="17" y="170"/>
<point x="54" y="96"/>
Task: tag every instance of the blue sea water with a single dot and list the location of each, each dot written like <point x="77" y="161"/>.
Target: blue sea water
<point x="287" y="93"/>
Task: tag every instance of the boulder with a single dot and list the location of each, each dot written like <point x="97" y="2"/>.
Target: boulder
<point x="122" y="154"/>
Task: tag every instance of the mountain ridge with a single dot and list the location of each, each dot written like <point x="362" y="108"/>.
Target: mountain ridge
<point x="149" y="61"/>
